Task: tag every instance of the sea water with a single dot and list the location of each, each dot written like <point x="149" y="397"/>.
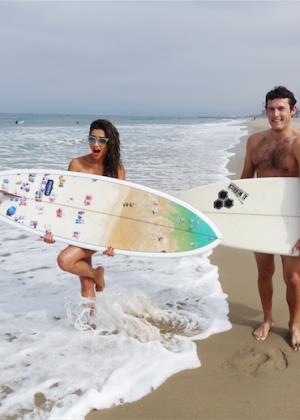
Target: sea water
<point x="56" y="360"/>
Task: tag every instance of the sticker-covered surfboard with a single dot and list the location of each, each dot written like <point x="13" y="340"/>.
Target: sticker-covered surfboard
<point x="260" y="214"/>
<point x="94" y="212"/>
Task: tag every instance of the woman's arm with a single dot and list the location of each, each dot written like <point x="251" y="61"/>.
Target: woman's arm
<point x="121" y="172"/>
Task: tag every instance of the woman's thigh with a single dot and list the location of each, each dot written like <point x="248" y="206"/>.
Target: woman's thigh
<point x="74" y="254"/>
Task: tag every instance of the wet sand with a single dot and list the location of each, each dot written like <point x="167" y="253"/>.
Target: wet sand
<point x="240" y="378"/>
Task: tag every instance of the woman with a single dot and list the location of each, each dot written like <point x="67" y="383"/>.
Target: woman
<point x="104" y="159"/>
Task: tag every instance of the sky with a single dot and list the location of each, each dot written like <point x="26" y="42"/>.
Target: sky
<point x="163" y="58"/>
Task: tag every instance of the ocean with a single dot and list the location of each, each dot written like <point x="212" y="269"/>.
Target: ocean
<point x="54" y="363"/>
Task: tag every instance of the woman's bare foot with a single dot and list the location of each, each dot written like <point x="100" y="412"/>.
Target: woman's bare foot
<point x="262" y="332"/>
<point x="295" y="337"/>
<point x="89" y="305"/>
<point x="99" y="279"/>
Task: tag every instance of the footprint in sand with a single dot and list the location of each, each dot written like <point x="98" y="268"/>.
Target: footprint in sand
<point x="251" y="362"/>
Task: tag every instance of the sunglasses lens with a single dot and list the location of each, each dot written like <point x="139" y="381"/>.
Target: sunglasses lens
<point x="100" y="140"/>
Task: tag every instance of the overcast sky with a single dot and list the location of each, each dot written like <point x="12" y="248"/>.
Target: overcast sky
<point x="146" y="58"/>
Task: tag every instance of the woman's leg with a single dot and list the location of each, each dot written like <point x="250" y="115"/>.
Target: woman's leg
<point x="87" y="283"/>
<point x="78" y="261"/>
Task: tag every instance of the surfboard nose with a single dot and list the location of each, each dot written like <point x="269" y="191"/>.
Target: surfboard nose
<point x="193" y="230"/>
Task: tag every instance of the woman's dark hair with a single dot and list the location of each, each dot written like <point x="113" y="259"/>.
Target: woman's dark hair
<point x="281" y="92"/>
<point x="113" y="157"/>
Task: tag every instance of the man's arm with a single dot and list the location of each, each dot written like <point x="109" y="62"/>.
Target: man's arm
<point x="249" y="168"/>
<point x="296" y="152"/>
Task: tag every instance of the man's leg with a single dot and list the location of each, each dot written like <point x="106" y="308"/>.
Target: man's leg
<point x="266" y="267"/>
<point x="291" y="275"/>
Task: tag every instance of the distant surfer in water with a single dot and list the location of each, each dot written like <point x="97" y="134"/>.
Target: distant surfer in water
<point x="104" y="160"/>
<point x="276" y="153"/>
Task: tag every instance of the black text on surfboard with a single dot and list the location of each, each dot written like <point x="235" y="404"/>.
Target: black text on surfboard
<point x="238" y="192"/>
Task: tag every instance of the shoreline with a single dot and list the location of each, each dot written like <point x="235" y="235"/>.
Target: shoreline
<point x="240" y="378"/>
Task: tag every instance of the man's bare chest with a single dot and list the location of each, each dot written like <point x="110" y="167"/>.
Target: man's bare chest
<point x="274" y="156"/>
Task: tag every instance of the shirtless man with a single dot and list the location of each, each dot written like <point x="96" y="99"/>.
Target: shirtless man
<point x="271" y="153"/>
<point x="103" y="159"/>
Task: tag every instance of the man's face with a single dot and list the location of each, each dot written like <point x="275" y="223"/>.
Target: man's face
<point x="279" y="113"/>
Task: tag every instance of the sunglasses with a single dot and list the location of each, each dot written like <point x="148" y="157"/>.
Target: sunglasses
<point x="100" y="140"/>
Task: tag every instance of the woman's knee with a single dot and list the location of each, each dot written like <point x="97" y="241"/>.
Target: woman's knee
<point x="63" y="261"/>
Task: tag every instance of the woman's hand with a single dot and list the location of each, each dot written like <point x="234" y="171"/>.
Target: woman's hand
<point x="110" y="252"/>
<point x="48" y="238"/>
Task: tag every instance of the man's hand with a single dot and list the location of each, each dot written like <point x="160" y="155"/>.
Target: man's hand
<point x="296" y="247"/>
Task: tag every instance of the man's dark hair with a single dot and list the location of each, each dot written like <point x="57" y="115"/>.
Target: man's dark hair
<point x="113" y="159"/>
<point x="281" y="92"/>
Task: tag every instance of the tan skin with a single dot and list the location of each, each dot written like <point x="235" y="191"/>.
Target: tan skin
<point x="276" y="153"/>
<point x="78" y="260"/>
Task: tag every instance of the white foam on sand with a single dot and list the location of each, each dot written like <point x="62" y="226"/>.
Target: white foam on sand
<point x="57" y="361"/>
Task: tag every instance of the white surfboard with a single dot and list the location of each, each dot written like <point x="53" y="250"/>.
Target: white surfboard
<point x="260" y="214"/>
<point x="94" y="212"/>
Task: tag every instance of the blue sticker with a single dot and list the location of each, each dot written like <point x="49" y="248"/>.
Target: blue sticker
<point x="49" y="187"/>
<point x="11" y="211"/>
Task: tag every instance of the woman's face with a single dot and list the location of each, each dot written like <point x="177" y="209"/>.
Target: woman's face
<point x="98" y="144"/>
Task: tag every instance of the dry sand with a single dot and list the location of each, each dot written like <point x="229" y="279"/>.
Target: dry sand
<point x="240" y="378"/>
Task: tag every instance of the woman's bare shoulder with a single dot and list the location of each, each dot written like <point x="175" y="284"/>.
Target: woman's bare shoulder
<point x="77" y="164"/>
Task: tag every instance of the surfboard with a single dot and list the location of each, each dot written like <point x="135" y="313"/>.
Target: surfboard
<point x="94" y="212"/>
<point x="260" y="214"/>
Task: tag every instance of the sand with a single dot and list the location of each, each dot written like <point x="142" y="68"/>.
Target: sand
<point x="240" y="378"/>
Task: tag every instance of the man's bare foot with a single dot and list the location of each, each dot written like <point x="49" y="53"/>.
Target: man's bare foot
<point x="295" y="337"/>
<point x="99" y="279"/>
<point x="262" y="332"/>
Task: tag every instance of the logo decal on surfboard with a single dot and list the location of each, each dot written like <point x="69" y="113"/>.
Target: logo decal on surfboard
<point x="223" y="200"/>
<point x="238" y="192"/>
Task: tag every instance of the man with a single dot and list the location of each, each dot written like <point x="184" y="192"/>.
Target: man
<point x="271" y="153"/>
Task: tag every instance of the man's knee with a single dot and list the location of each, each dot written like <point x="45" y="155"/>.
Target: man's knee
<point x="291" y="270"/>
<point x="292" y="279"/>
<point x="265" y="266"/>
